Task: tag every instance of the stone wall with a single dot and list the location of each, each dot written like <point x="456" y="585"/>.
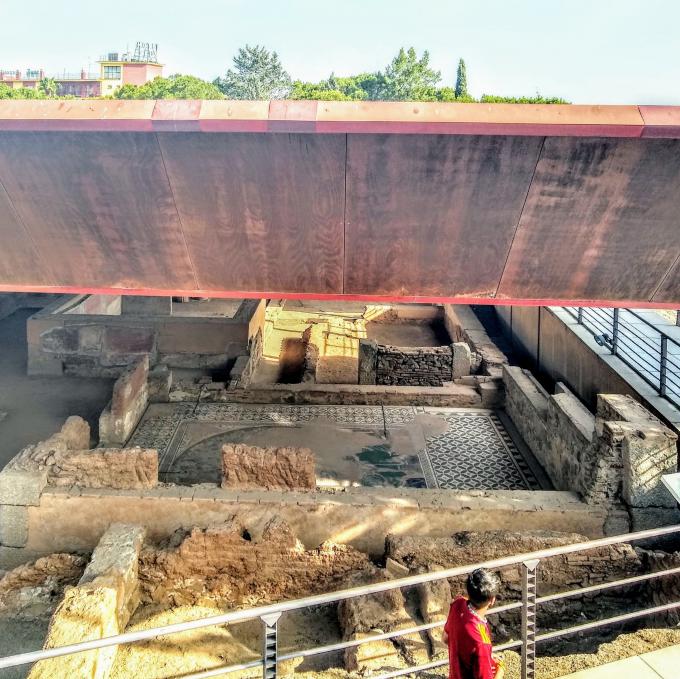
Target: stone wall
<point x="424" y="366"/>
<point x="555" y="574"/>
<point x="550" y="342"/>
<point x="105" y="345"/>
<point x="65" y="460"/>
<point x="128" y="403"/>
<point x="463" y="326"/>
<point x="613" y="458"/>
<point x="360" y="517"/>
<point x="267" y="468"/>
<point x="100" y="606"/>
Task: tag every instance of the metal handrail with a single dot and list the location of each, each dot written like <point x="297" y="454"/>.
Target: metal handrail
<point x="647" y="357"/>
<point x="270" y="614"/>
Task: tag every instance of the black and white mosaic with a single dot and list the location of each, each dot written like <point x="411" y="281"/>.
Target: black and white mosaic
<point x="475" y="453"/>
<point x="475" y="450"/>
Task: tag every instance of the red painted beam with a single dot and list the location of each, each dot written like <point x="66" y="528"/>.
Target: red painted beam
<point x="375" y="299"/>
<point x="340" y="117"/>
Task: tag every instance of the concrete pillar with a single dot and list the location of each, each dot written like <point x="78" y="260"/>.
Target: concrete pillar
<point x="146" y="306"/>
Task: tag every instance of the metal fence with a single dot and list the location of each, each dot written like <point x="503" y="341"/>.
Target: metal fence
<point x="270" y="615"/>
<point x="641" y="345"/>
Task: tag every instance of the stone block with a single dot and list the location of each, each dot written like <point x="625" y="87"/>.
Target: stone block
<point x="492" y="393"/>
<point x="133" y="468"/>
<point x="272" y="468"/>
<point x="647" y="455"/>
<point x="13" y="526"/>
<point x="371" y="656"/>
<point x="462" y="360"/>
<point x="22" y="486"/>
<point x="368" y="357"/>
<point x="100" y="606"/>
<point x="128" y="403"/>
<point x="159" y="384"/>
<point x="76" y="432"/>
<point x="116" y="560"/>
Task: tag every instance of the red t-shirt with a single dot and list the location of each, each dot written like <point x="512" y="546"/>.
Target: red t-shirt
<point x="469" y="643"/>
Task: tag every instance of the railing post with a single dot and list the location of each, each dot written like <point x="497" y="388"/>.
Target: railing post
<point x="615" y="332"/>
<point x="663" y="366"/>
<point x="529" y="569"/>
<point x="270" y="645"/>
<point x="579" y="316"/>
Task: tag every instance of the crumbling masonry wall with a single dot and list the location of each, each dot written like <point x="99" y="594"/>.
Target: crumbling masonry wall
<point x="65" y="460"/>
<point x="613" y="458"/>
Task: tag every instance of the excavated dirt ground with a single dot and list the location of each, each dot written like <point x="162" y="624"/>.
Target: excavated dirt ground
<point x="200" y="573"/>
<point x="214" y="647"/>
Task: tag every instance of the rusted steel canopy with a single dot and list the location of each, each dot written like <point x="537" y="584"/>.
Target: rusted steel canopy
<point x="408" y="201"/>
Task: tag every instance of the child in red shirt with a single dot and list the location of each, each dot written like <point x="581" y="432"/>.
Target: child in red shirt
<point x="467" y="632"/>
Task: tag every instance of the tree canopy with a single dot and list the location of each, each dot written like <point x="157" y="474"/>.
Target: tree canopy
<point x="257" y="74"/>
<point x="175" y="87"/>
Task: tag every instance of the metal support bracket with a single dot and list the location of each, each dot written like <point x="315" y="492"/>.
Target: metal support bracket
<point x="529" y="593"/>
<point x="270" y="645"/>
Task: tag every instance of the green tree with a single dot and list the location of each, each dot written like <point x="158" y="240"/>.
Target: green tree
<point x="257" y="74"/>
<point x="48" y="87"/>
<point x="7" y="92"/>
<point x="461" y="81"/>
<point x="408" y="78"/>
<point x="175" y="87"/>
<point x="537" y="99"/>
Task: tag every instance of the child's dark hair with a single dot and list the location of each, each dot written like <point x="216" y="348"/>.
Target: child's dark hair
<point x="482" y="586"/>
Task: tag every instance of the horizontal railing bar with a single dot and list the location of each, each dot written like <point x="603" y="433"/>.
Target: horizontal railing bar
<point x="607" y="585"/>
<point x="329" y="598"/>
<point x="607" y="621"/>
<point x="341" y="645"/>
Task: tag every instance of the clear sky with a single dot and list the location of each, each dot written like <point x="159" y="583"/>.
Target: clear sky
<point x="587" y="51"/>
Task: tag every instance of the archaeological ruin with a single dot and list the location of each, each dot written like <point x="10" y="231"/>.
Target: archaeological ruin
<point x="333" y="364"/>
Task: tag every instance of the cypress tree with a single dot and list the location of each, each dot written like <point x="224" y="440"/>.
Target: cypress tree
<point x="461" y="80"/>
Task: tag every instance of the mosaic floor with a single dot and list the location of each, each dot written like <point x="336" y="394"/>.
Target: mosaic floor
<point x="353" y="445"/>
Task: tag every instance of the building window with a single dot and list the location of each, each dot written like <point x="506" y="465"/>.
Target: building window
<point x="112" y="72"/>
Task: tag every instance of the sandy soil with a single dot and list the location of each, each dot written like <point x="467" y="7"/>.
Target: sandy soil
<point x="217" y="646"/>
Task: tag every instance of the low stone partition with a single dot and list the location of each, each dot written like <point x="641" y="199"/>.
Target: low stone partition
<point x="614" y="458"/>
<point x="252" y="467"/>
<point x="463" y="326"/>
<point x="128" y="403"/>
<point x="359" y="517"/>
<point x="63" y="461"/>
<point x="412" y="366"/>
<point x="479" y="392"/>
<point x="100" y="606"/>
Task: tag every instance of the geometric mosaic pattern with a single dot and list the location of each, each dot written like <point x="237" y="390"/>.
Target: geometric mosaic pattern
<point x="475" y="452"/>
